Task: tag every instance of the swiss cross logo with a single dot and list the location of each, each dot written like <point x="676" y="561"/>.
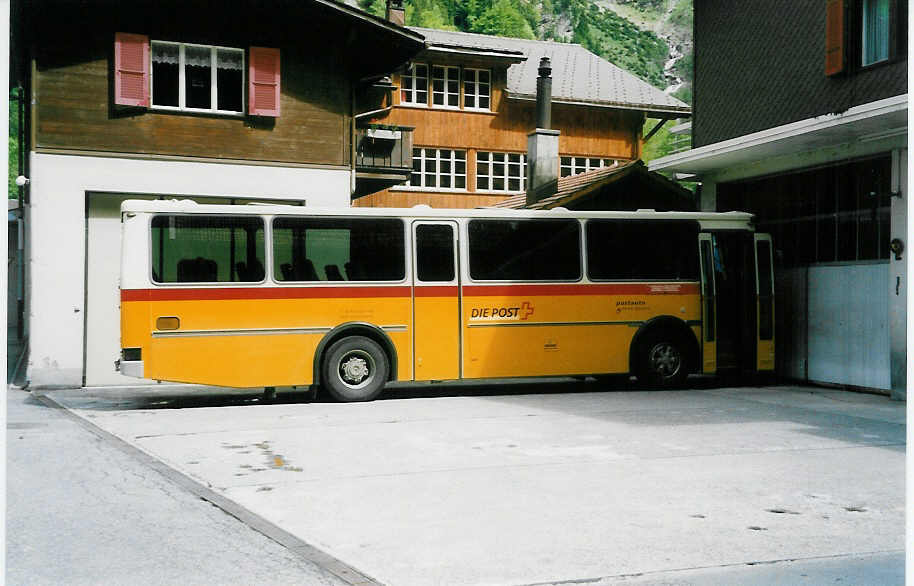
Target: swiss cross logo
<point x="526" y="310"/>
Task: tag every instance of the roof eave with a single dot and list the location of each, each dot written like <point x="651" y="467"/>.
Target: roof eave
<point x="372" y="19"/>
<point x="873" y="123"/>
<point x="655" y="110"/>
<point x="507" y="56"/>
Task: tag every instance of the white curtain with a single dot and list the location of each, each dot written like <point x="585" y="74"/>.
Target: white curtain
<point x="198" y="56"/>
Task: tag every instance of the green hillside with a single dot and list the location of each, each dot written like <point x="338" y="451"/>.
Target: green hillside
<point x="633" y="34"/>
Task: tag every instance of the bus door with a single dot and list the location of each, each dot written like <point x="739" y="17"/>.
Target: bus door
<point x="764" y="290"/>
<point x="708" y="305"/>
<point x="436" y="301"/>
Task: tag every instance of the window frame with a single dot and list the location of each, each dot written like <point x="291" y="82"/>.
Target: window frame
<point x="586" y="166"/>
<point x="267" y="256"/>
<point x="405" y="257"/>
<point x="579" y="242"/>
<point x="860" y="38"/>
<point x="477" y="85"/>
<point x="506" y="177"/>
<point x="689" y="228"/>
<point x="410" y="73"/>
<point x="182" y="87"/>
<point x="444" y="92"/>
<point x="422" y="171"/>
<point x="854" y="42"/>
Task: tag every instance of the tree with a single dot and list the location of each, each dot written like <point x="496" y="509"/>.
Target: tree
<point x="503" y="19"/>
<point x="375" y="7"/>
<point x="429" y="14"/>
<point x="12" y="188"/>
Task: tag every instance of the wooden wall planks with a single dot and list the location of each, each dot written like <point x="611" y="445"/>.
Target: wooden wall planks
<point x="75" y="111"/>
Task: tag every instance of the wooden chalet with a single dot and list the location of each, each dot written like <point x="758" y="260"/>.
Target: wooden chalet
<point x="219" y="102"/>
<point x="469" y="102"/>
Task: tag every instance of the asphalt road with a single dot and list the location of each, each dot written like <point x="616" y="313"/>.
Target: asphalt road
<point x="82" y="510"/>
<point x="547" y="483"/>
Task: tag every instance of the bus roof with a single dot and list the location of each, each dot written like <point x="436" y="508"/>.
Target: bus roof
<point x="186" y="206"/>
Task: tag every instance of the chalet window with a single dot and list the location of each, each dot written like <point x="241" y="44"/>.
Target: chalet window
<point x="576" y="165"/>
<point x="501" y="172"/>
<point x="414" y="85"/>
<point x="445" y="86"/>
<point x="439" y="169"/>
<point x="875" y="31"/>
<point x="476" y="89"/>
<point x="862" y="33"/>
<point x="197" y="78"/>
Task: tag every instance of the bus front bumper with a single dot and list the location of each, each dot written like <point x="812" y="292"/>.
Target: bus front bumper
<point x="132" y="368"/>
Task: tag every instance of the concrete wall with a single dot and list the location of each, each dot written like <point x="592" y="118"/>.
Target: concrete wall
<point x="57" y="233"/>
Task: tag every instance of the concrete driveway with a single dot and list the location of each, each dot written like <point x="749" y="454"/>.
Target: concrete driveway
<point x="544" y="483"/>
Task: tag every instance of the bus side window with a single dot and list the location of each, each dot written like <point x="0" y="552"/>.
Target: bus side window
<point x="314" y="249"/>
<point x="303" y="270"/>
<point x="648" y="250"/>
<point x="207" y="249"/>
<point x="528" y="250"/>
<point x="333" y="273"/>
<point x="252" y="271"/>
<point x="197" y="270"/>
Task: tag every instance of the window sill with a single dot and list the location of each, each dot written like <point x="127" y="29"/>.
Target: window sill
<point x="448" y="109"/>
<point x="878" y="64"/>
<point x="429" y="189"/>
<point x="196" y="112"/>
<point x="497" y="192"/>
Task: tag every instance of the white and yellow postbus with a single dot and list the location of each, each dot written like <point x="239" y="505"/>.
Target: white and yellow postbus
<point x="272" y="295"/>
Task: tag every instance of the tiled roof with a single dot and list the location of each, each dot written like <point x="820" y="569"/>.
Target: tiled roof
<point x="578" y="76"/>
<point x="574" y="189"/>
<point x="568" y="187"/>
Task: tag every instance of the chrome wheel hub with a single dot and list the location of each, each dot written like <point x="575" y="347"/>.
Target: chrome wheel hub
<point x="665" y="359"/>
<point x="356" y="369"/>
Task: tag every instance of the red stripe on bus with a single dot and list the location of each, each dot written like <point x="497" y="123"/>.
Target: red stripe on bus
<point x="582" y="289"/>
<point x="224" y="293"/>
<point x="437" y="291"/>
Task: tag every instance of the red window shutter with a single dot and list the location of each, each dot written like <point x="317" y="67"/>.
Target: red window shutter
<point x="131" y="70"/>
<point x="263" y="82"/>
<point x="834" y="37"/>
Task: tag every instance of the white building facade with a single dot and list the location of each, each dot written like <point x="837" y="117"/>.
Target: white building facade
<point x="74" y="245"/>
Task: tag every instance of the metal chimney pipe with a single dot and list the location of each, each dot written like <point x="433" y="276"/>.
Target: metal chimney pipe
<point x="544" y="94"/>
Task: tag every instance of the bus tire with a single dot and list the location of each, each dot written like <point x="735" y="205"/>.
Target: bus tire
<point x="355" y="369"/>
<point x="662" y="359"/>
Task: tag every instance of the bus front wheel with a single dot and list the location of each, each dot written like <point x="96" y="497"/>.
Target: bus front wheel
<point x="355" y="369"/>
<point x="662" y="360"/>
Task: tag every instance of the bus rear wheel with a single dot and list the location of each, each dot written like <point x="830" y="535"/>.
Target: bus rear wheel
<point x="662" y="360"/>
<point x="355" y="369"/>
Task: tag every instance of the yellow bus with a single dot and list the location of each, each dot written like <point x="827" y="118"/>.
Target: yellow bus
<point x="277" y="296"/>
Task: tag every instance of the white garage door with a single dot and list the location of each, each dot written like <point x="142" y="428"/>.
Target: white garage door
<point x="103" y="264"/>
<point x="848" y="325"/>
<point x="103" y="301"/>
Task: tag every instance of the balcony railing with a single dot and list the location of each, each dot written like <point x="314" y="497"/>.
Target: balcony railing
<point x="384" y="148"/>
